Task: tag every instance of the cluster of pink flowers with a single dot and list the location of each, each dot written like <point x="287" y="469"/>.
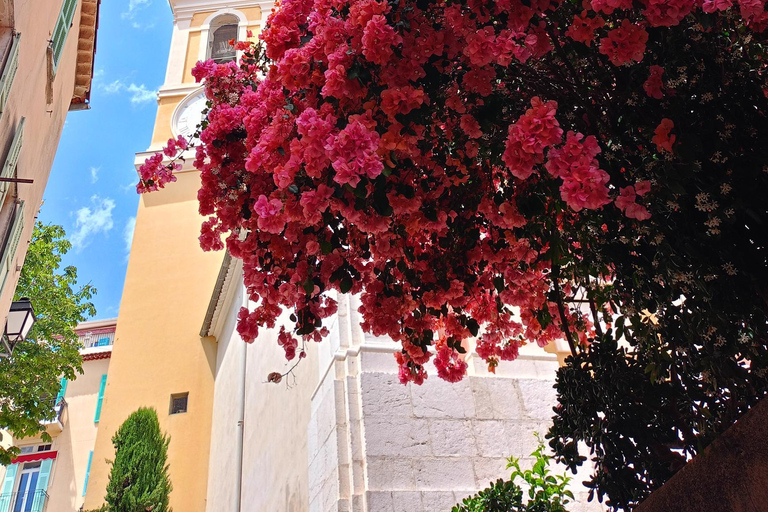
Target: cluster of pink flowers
<point x="625" y="44"/>
<point x="583" y="28"/>
<point x="397" y="151"/>
<point x="627" y="201"/>
<point x="535" y="131"/>
<point x="155" y="173"/>
<point x="585" y="185"/>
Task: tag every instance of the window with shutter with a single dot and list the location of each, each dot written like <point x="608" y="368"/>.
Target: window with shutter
<point x="7" y="264"/>
<point x="9" y="71"/>
<point x="100" y="398"/>
<point x="62" y="391"/>
<point x="9" y="167"/>
<point x="87" y="472"/>
<point x="61" y="30"/>
<point x="6" y="493"/>
<point x="38" y="503"/>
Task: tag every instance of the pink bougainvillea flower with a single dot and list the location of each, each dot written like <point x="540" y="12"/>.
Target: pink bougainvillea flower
<point x="662" y="137"/>
<point x="625" y="44"/>
<point x="653" y="85"/>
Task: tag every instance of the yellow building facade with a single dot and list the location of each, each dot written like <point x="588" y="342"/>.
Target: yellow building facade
<point x="161" y="360"/>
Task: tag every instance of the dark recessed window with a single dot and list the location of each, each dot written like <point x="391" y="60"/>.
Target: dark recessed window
<point x="43" y="447"/>
<point x="179" y="403"/>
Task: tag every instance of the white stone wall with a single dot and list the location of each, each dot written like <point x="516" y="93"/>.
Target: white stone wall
<point x="422" y="448"/>
<point x="345" y="436"/>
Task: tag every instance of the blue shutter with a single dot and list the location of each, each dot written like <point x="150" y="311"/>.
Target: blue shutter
<point x="101" y="398"/>
<point x="7" y="490"/>
<point x="62" y="391"/>
<point x="87" y="472"/>
<point x="42" y="485"/>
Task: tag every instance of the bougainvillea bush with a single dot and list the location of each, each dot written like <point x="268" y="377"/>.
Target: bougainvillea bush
<point x="511" y="172"/>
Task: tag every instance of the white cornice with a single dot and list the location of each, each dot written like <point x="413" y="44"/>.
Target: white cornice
<point x="96" y="324"/>
<point x="177" y="90"/>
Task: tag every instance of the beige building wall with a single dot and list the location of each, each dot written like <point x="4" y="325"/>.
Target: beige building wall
<point x="76" y="440"/>
<point x="74" y="431"/>
<point x="29" y="98"/>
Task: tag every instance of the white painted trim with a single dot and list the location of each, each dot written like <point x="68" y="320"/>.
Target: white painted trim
<point x="232" y="282"/>
<point x="96" y="324"/>
<point x="167" y="91"/>
<point x="221" y="12"/>
<point x="177" y="55"/>
<point x="205" y="30"/>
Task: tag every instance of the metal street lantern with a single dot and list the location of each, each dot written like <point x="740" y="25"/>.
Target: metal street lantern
<point x="20" y="320"/>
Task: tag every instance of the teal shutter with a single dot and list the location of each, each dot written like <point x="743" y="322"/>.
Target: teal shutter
<point x="11" y="160"/>
<point x="101" y="398"/>
<point x="87" y="472"/>
<point x="9" y="71"/>
<point x="61" y="29"/>
<point x="42" y="486"/>
<point x="62" y="391"/>
<point x="103" y="342"/>
<point x="7" y="490"/>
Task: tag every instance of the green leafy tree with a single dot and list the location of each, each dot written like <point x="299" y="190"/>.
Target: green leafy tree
<point x="139" y="479"/>
<point x="30" y="378"/>
<point x="546" y="492"/>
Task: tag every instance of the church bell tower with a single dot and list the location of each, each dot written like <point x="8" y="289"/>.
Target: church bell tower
<point x="159" y="359"/>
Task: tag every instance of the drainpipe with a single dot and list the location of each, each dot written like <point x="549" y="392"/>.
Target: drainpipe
<point x="241" y="426"/>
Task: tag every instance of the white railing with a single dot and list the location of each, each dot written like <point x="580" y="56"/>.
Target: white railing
<point x="97" y="339"/>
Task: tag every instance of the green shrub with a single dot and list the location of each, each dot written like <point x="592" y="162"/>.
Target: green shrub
<point x="545" y="492"/>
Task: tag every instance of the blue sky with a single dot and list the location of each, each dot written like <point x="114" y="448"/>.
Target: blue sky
<point x="91" y="191"/>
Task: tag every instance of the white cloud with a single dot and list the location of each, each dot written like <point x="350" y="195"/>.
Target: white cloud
<point x="92" y="220"/>
<point x="95" y="174"/>
<point x="139" y="93"/>
<point x="134" y="6"/>
<point x="130" y="227"/>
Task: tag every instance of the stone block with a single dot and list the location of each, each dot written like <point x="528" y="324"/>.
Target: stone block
<point x="496" y="398"/>
<point x="407" y="501"/>
<point x="437" y="398"/>
<point x="390" y="474"/>
<point x="538" y="397"/>
<point x="452" y="438"/>
<point x="396" y="436"/>
<point x="382" y="393"/>
<point x="489" y="470"/>
<point x="494" y="439"/>
<point x="379" y="501"/>
<point x="438" y="501"/>
<point x="444" y="473"/>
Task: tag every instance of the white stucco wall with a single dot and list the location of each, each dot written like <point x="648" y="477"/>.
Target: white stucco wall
<point x="344" y="435"/>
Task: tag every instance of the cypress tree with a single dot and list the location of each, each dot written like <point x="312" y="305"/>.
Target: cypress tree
<point x="138" y="481"/>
